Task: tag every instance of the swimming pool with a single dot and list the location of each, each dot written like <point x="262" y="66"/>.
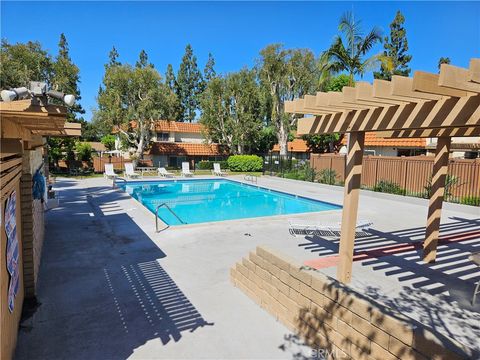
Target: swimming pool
<point x="198" y="201"/>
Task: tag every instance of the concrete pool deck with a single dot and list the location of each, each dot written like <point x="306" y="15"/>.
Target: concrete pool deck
<point x="110" y="287"/>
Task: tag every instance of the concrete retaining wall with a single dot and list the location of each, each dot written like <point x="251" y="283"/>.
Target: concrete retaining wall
<point x="335" y="320"/>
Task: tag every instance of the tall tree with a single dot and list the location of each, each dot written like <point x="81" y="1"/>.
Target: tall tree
<point x="189" y="80"/>
<point x="349" y="50"/>
<point x="395" y="52"/>
<point x="209" y="71"/>
<point x="131" y="100"/>
<point x="232" y="111"/>
<point x="443" y="60"/>
<point x="22" y="63"/>
<point x="143" y="60"/>
<point x="170" y="77"/>
<point x="113" y="58"/>
<point x="66" y="76"/>
<point x="286" y="74"/>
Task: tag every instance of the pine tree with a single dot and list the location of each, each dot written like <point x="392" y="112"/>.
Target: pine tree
<point x="188" y="86"/>
<point x="396" y="48"/>
<point x="112" y="57"/>
<point x="209" y="71"/>
<point x="142" y="61"/>
<point x="170" y="77"/>
<point x="66" y="77"/>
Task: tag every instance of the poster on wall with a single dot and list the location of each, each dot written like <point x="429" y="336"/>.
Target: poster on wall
<point x="12" y="248"/>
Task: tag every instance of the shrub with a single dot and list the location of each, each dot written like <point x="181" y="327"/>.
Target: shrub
<point x="84" y="151"/>
<point x="327" y="176"/>
<point x="303" y="172"/>
<point x="451" y="182"/>
<point x="108" y="141"/>
<point x="245" y="163"/>
<point x="208" y="165"/>
<point x="389" y="187"/>
<point x="470" y="200"/>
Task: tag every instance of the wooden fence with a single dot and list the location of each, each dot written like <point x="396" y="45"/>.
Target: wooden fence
<point x="99" y="163"/>
<point x="412" y="174"/>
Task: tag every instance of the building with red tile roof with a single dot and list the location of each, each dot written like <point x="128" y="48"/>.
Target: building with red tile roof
<point x="374" y="145"/>
<point x="175" y="142"/>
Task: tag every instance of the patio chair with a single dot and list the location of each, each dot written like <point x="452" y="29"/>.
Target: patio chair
<point x="109" y="173"/>
<point x="162" y="172"/>
<point x="218" y="171"/>
<point x="475" y="258"/>
<point x="129" y="173"/>
<point x="301" y="228"/>
<point x="186" y="169"/>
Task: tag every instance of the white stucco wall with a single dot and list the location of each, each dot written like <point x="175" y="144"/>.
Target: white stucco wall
<point x="189" y="138"/>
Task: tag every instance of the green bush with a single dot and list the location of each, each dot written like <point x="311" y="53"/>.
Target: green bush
<point x="245" y="163"/>
<point x="84" y="151"/>
<point x="451" y="182"/>
<point x="303" y="172"/>
<point x="208" y="165"/>
<point x="108" y="141"/>
<point x="389" y="187"/>
<point x="470" y="200"/>
<point x="327" y="176"/>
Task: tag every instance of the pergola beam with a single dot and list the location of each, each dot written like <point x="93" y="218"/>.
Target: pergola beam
<point x="431" y="133"/>
<point x="474" y="70"/>
<point x="440" y="169"/>
<point x="457" y="78"/>
<point x="353" y="174"/>
<point x="427" y="105"/>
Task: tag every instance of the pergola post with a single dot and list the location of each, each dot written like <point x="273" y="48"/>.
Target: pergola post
<point x="353" y="173"/>
<point x="439" y="176"/>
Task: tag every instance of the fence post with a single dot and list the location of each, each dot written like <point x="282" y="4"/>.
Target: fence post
<point x="405" y="178"/>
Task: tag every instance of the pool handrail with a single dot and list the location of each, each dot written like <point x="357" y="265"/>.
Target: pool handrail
<point x="169" y="209"/>
<point x="251" y="177"/>
<point x="118" y="178"/>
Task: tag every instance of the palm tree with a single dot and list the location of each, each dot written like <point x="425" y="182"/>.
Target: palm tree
<point x="348" y="50"/>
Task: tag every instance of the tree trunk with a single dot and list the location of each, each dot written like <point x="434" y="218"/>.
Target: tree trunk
<point x="283" y="139"/>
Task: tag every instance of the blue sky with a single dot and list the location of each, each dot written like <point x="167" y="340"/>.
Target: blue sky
<point x="234" y="32"/>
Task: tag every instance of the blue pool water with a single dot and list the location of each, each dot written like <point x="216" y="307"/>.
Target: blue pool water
<point x="198" y="201"/>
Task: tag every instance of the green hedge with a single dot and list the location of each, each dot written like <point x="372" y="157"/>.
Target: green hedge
<point x="471" y="200"/>
<point x="208" y="165"/>
<point x="245" y="163"/>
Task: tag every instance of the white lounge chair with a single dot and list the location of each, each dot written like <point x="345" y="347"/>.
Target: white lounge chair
<point x="109" y="173"/>
<point x="129" y="173"/>
<point x="186" y="169"/>
<point x="218" y="171"/>
<point x="164" y="173"/>
<point x="300" y="228"/>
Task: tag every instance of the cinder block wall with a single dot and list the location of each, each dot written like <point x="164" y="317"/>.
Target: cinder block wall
<point x="332" y="318"/>
<point x="33" y="222"/>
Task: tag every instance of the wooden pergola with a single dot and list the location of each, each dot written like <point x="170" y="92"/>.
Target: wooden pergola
<point x="429" y="105"/>
<point x="22" y="120"/>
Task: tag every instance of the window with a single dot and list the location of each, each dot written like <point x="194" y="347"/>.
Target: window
<point x="369" y="152"/>
<point x="162" y="136"/>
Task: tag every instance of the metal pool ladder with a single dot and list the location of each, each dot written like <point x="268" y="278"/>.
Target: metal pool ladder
<point x="250" y="177"/>
<point x="169" y="209"/>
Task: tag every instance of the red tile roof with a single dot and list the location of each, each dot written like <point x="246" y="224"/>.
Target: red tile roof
<point x="297" y="145"/>
<point x="177" y="126"/>
<point x="371" y="140"/>
<point x="186" y="149"/>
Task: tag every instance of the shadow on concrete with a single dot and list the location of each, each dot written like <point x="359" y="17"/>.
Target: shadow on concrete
<point x="102" y="290"/>
<point x="390" y="253"/>
<point x="440" y="293"/>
